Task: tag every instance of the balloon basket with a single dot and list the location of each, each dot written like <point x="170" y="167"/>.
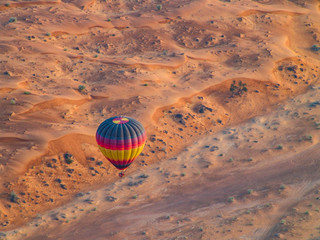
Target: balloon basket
<point x="121" y="174"/>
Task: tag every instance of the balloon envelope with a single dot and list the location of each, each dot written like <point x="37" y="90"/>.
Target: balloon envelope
<point x="121" y="140"/>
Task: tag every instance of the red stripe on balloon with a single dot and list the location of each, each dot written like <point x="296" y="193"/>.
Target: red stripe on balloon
<point x="121" y="144"/>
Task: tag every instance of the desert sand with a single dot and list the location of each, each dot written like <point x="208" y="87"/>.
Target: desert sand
<point x="216" y="165"/>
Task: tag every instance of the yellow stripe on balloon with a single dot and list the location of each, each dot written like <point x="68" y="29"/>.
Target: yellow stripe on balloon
<point x="120" y="155"/>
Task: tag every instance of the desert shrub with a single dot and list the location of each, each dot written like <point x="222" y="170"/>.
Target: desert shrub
<point x="69" y="161"/>
<point x="68" y="158"/>
<point x="143" y="176"/>
<point x="315" y="48"/>
<point x="314" y="104"/>
<point x="308" y="138"/>
<point x="111" y="198"/>
<point x="14" y="197"/>
<point x="159" y="7"/>
<point x="282" y="187"/>
<point x="279" y="147"/>
<point x="12" y="19"/>
<point x="238" y="90"/>
<point x="99" y="163"/>
<point x="81" y="87"/>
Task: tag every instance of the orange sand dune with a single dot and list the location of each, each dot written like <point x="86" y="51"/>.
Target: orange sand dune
<point x="9" y="5"/>
<point x="218" y="164"/>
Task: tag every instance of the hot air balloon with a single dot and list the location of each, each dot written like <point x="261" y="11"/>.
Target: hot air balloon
<point x="121" y="140"/>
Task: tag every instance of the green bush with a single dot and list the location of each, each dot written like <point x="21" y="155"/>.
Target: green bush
<point x="81" y="87"/>
<point x="68" y="158"/>
<point x="69" y="161"/>
<point x="14" y="197"/>
<point x="12" y="19"/>
<point x="279" y="147"/>
<point x="308" y="137"/>
<point x="315" y="48"/>
<point x="238" y="89"/>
